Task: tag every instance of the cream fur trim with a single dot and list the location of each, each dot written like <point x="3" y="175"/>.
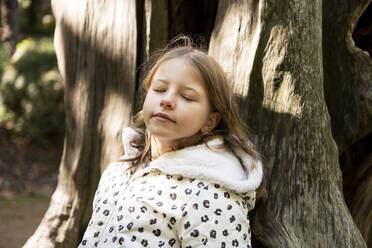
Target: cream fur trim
<point x="216" y="165"/>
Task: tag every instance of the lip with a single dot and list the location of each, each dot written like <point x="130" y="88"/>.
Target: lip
<point x="163" y="117"/>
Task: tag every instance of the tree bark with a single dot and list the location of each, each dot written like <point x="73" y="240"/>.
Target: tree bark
<point x="9" y="23"/>
<point x="165" y="19"/>
<point x="272" y="52"/>
<point x="95" y="43"/>
<point x="348" y="93"/>
<point x="356" y="164"/>
<point x="348" y="73"/>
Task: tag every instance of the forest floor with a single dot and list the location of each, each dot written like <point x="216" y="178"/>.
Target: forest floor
<point x="28" y="177"/>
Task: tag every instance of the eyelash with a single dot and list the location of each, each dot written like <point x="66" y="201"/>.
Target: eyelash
<point x="189" y="99"/>
<point x="158" y="90"/>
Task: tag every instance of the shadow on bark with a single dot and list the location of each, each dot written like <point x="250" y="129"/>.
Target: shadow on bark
<point x="362" y="34"/>
<point x="347" y="32"/>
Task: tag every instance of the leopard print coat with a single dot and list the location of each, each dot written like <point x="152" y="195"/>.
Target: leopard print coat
<point x="198" y="196"/>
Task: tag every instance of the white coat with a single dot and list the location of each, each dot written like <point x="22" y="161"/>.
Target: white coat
<point x="193" y="197"/>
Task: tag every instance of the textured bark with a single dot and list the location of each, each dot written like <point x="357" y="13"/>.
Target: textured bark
<point x="192" y="17"/>
<point x="95" y="43"/>
<point x="362" y="33"/>
<point x="164" y="19"/>
<point x="9" y="25"/>
<point x="348" y="93"/>
<point x="234" y="42"/>
<point x="272" y="52"/>
<point x="356" y="167"/>
<point x="348" y="73"/>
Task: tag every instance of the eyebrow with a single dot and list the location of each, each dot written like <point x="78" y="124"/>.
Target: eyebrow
<point x="186" y="87"/>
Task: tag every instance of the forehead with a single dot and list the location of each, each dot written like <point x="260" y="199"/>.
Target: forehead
<point x="180" y="71"/>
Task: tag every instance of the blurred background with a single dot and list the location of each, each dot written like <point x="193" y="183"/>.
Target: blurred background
<point x="31" y="117"/>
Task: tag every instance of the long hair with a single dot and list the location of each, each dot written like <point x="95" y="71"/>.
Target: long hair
<point x="220" y="94"/>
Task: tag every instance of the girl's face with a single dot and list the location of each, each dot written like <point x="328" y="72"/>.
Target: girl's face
<point x="176" y="106"/>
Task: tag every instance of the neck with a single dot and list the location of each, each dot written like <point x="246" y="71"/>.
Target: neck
<point x="159" y="147"/>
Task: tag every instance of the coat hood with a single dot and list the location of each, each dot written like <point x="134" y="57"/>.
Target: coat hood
<point x="212" y="162"/>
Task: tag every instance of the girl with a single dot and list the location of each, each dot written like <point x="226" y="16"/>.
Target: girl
<point x="189" y="174"/>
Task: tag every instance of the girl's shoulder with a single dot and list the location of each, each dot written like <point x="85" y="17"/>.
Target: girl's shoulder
<point x="217" y="212"/>
<point x="236" y="171"/>
<point x="113" y="170"/>
<point x="207" y="193"/>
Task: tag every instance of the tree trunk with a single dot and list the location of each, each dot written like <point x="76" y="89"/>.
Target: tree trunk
<point x="32" y="14"/>
<point x="348" y="93"/>
<point x="164" y="19"/>
<point x="356" y="164"/>
<point x="95" y="43"/>
<point x="272" y="52"/>
<point x="348" y="77"/>
<point x="9" y="23"/>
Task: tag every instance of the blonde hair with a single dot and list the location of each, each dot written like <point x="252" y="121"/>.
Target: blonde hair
<point x="220" y="94"/>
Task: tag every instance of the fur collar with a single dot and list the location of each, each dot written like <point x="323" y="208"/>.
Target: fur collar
<point x="212" y="163"/>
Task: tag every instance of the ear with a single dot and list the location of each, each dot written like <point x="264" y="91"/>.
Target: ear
<point x="213" y="120"/>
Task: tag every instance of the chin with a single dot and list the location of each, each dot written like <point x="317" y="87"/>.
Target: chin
<point x="163" y="137"/>
<point x="160" y="133"/>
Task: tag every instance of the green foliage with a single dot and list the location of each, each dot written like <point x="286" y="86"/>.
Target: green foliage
<point x="36" y="18"/>
<point x="31" y="92"/>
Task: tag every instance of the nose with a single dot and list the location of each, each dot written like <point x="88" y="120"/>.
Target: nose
<point x="167" y="103"/>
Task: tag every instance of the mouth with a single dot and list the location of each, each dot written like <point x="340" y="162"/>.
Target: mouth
<point x="163" y="117"/>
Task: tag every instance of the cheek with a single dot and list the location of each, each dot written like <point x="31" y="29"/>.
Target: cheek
<point x="146" y="108"/>
<point x="195" y="117"/>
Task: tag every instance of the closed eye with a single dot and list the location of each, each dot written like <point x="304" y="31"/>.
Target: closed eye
<point x="187" y="98"/>
<point x="158" y="90"/>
